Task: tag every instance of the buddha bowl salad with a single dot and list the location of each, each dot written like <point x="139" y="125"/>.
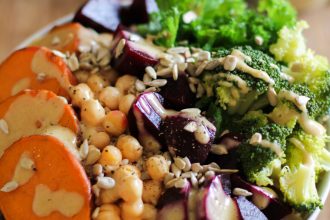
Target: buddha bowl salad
<point x="168" y="110"/>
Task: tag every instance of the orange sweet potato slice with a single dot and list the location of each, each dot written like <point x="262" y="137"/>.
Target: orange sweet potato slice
<point x="66" y="38"/>
<point x="35" y="68"/>
<point x="31" y="112"/>
<point x="54" y="170"/>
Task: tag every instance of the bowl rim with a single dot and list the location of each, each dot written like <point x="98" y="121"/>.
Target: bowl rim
<point x="323" y="187"/>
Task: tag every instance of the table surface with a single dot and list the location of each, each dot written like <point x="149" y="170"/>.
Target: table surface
<point x="21" y="18"/>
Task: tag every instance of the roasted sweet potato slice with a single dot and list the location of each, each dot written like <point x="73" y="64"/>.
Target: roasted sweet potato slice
<point x="67" y="37"/>
<point x="56" y="188"/>
<point x="31" y="112"/>
<point x="35" y="68"/>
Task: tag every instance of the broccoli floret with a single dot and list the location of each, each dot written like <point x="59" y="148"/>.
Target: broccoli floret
<point x="285" y="113"/>
<point x="227" y="85"/>
<point x="298" y="177"/>
<point x="263" y="171"/>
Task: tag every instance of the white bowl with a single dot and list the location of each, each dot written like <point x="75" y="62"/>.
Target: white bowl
<point x="323" y="185"/>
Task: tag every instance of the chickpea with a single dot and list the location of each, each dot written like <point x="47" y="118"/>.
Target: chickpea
<point x="80" y="93"/>
<point x="131" y="210"/>
<point x="110" y="207"/>
<point x="130" y="188"/>
<point x="125" y="171"/>
<point x="106" y="215"/>
<point x="109" y="195"/>
<point x="88" y="131"/>
<point x="125" y="82"/>
<point x="82" y="76"/>
<point x="96" y="83"/>
<point x="115" y="123"/>
<point x="130" y="147"/>
<point x="149" y="212"/>
<point x="100" y="139"/>
<point x="92" y="112"/>
<point x="110" y="156"/>
<point x="152" y="191"/>
<point x="126" y="103"/>
<point x="110" y="97"/>
<point x="157" y="167"/>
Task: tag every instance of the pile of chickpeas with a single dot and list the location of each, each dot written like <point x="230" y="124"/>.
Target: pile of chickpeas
<point x="104" y="101"/>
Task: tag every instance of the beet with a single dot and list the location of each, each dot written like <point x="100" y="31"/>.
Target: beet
<point x="196" y="143"/>
<point x="248" y="211"/>
<point x="138" y="12"/>
<point x="177" y="93"/>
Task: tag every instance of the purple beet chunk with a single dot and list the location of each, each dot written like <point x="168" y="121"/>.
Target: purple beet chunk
<point x="264" y="199"/>
<point x="136" y="54"/>
<point x="101" y="15"/>
<point x="181" y="141"/>
<point x="227" y="161"/>
<point x="138" y="12"/>
<point x="145" y="118"/>
<point x="247" y="210"/>
<point x="214" y="201"/>
<point x="177" y="93"/>
<point x="173" y="204"/>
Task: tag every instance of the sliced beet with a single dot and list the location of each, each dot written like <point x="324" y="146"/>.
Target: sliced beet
<point x="138" y="12"/>
<point x="101" y="15"/>
<point x="214" y="201"/>
<point x="136" y="55"/>
<point x="173" y="204"/>
<point x="248" y="210"/>
<point x="264" y="199"/>
<point x="188" y="134"/>
<point x="230" y="141"/>
<point x="145" y="119"/>
<point x="177" y="93"/>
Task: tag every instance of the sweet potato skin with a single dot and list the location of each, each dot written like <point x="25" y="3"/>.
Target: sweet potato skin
<point x="55" y="167"/>
<point x="18" y="66"/>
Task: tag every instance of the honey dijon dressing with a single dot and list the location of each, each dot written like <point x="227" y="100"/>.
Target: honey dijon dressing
<point x="29" y="115"/>
<point x="24" y="169"/>
<point x="41" y="64"/>
<point x="46" y="201"/>
<point x="21" y="85"/>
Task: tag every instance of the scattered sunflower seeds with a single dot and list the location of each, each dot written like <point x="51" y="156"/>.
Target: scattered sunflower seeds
<point x="241" y="192"/>
<point x="4" y="126"/>
<point x="9" y="187"/>
<point x="105" y="182"/>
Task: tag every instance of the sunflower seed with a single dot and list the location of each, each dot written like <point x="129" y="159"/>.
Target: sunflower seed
<point x="97" y="169"/>
<point x="175" y="170"/>
<point x="157" y="83"/>
<point x="171" y="182"/>
<point x="209" y="174"/>
<point x="59" y="54"/>
<point x="192" y="88"/>
<point x="194" y="181"/>
<point x="151" y="89"/>
<point x="73" y="62"/>
<point x="96" y="190"/>
<point x="234" y="93"/>
<point x="178" y="50"/>
<point x="201" y="180"/>
<point x="193" y="80"/>
<point x="230" y="63"/>
<point x="180" y="183"/>
<point x="9" y="187"/>
<point x="256" y="139"/>
<point x="151" y="72"/>
<point x="105" y="182"/>
<point x="139" y="85"/>
<point x="120" y="48"/>
<point x="191" y="127"/>
<point x="83" y="150"/>
<point x="4" y="126"/>
<point x="188" y="164"/>
<point x="179" y="163"/>
<point x="168" y="177"/>
<point x="105" y="61"/>
<point x="93" y="156"/>
<point x="200" y="69"/>
<point x="96" y="213"/>
<point x="272" y="96"/>
<point x="182" y="67"/>
<point x="219" y="149"/>
<point x="146" y="78"/>
<point x="196" y="167"/>
<point x="211" y="65"/>
<point x="166" y="62"/>
<point x="175" y="72"/>
<point x="204" y="55"/>
<point x="165" y="72"/>
<point x="194" y="111"/>
<point x="259" y="40"/>
<point x="241" y="192"/>
<point x="200" y="90"/>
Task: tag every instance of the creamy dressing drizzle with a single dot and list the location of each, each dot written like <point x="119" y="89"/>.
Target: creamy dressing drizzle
<point x="242" y="66"/>
<point x="41" y="64"/>
<point x="67" y="137"/>
<point x="30" y="115"/>
<point x="299" y="101"/>
<point x="242" y="85"/>
<point x="24" y="169"/>
<point x="21" y="85"/>
<point x="275" y="147"/>
<point x="46" y="201"/>
<point x="310" y="126"/>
